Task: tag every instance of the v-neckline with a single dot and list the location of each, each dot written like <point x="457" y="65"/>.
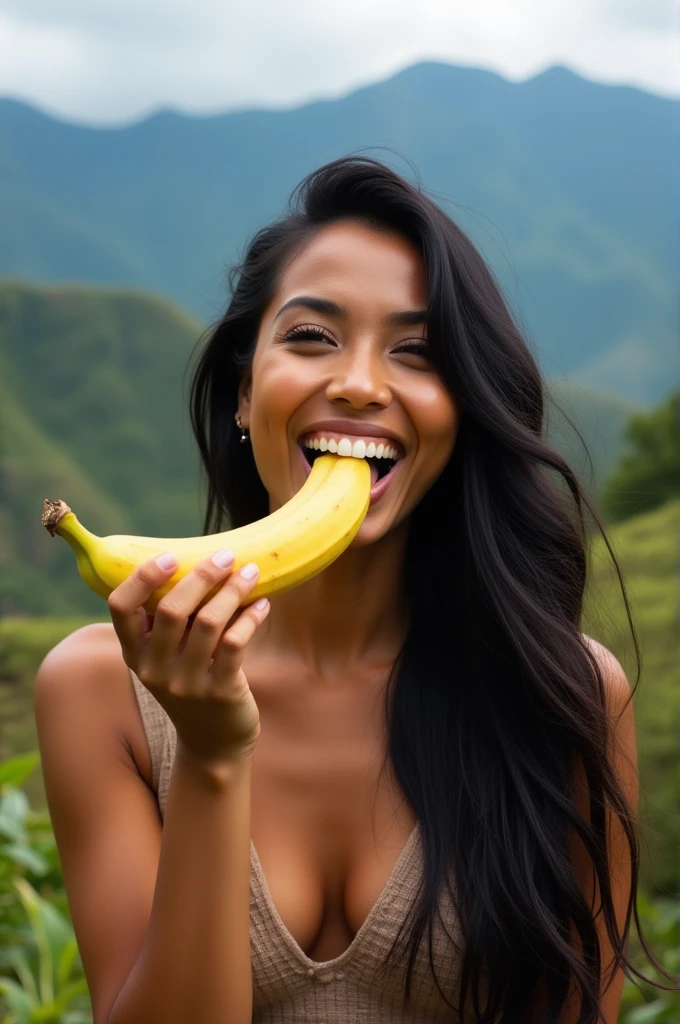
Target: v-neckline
<point x="343" y="957"/>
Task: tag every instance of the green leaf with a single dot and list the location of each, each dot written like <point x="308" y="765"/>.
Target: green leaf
<point x="58" y="931"/>
<point x="31" y="902"/>
<point x="24" y="855"/>
<point x="67" y="962"/>
<point x="19" y="962"/>
<point x="13" y="809"/>
<point x="46" y="1015"/>
<point x="38" y="821"/>
<point x="18" y="1000"/>
<point x="76" y="990"/>
<point x="648" y="1014"/>
<point x="16" y="770"/>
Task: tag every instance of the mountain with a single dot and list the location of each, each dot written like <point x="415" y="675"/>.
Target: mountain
<point x="94" y="410"/>
<point x="566" y="185"/>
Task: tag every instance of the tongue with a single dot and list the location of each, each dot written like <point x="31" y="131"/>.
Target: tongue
<point x="374" y="473"/>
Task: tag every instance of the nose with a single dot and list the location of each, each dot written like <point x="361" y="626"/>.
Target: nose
<point x="360" y="378"/>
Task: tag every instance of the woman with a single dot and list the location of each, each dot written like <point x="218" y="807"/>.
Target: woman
<point x="420" y="741"/>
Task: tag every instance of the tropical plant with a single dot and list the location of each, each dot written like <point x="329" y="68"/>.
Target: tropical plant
<point x="641" y="1003"/>
<point x="41" y="973"/>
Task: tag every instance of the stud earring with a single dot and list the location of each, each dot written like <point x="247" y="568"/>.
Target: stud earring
<point x="244" y="436"/>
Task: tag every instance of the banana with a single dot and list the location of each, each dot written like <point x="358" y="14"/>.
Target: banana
<point x="290" y="546"/>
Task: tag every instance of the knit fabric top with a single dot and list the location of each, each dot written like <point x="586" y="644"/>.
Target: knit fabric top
<point x="289" y="987"/>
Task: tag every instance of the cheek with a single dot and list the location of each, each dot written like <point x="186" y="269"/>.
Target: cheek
<point x="436" y="420"/>
<point x="279" y="387"/>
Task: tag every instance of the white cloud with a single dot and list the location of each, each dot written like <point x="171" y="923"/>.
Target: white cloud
<point x="111" y="62"/>
<point x="649" y="15"/>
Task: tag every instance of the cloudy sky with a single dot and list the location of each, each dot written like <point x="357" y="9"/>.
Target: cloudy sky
<point x="105" y="62"/>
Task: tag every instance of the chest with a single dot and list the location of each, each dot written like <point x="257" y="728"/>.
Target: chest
<point x="327" y="824"/>
<point x="328" y="821"/>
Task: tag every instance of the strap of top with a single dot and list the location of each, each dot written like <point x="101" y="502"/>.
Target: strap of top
<point x="162" y="739"/>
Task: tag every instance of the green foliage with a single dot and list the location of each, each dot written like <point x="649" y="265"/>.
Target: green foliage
<point x="641" y="1002"/>
<point x="646" y="549"/>
<point x="41" y="972"/>
<point x="649" y="472"/>
<point x="23" y="645"/>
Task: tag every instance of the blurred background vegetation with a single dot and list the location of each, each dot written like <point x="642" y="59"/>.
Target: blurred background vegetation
<point x="93" y="398"/>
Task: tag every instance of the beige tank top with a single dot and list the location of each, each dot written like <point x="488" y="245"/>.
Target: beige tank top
<point x="288" y="987"/>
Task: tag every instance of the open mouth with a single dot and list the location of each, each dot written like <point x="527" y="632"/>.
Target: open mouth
<point x="381" y="467"/>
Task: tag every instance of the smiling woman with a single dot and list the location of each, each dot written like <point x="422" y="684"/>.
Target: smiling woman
<point x="369" y="302"/>
<point x="440" y="767"/>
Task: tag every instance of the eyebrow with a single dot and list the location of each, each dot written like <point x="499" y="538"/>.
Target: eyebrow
<point x="403" y="318"/>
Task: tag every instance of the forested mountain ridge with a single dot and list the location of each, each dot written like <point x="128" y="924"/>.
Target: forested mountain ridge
<point x="566" y="185"/>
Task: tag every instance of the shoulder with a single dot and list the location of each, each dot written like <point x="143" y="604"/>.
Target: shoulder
<point x="86" y="672"/>
<point x="85" y="669"/>
<point x="89" y="653"/>
<point x="618" y="695"/>
<point x="617" y="689"/>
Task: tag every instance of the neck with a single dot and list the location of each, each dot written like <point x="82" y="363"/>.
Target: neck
<point x="353" y="615"/>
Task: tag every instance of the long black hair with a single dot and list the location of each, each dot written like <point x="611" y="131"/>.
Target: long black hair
<point x="495" y="696"/>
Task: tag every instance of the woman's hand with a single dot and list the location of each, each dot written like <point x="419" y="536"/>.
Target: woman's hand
<point x="193" y="668"/>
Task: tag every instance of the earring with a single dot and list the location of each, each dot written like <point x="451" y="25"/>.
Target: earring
<point x="244" y="436"/>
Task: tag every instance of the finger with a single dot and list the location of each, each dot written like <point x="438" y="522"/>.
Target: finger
<point x="129" y="618"/>
<point x="212" y="619"/>
<point x="229" y="655"/>
<point x="169" y="635"/>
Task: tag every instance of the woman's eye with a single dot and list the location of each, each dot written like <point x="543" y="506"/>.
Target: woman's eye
<point x="420" y="348"/>
<point x="307" y="333"/>
<point x="317" y="334"/>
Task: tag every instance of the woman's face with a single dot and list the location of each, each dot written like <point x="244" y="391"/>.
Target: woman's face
<point x="349" y="363"/>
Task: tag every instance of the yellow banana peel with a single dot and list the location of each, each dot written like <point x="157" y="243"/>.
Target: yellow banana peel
<point x="290" y="546"/>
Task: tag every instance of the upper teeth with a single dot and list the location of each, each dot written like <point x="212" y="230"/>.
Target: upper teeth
<point x="358" y="449"/>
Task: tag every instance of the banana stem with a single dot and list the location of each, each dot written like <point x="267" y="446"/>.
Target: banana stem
<point x="53" y="511"/>
<point x="58" y="518"/>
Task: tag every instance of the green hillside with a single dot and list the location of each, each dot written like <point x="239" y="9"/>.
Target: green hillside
<point x="93" y="409"/>
<point x="647" y="550"/>
<point x="566" y="185"/>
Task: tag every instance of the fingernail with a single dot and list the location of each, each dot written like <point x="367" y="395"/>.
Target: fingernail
<point x="249" y="571"/>
<point x="223" y="557"/>
<point x="167" y="561"/>
<point x="262" y="603"/>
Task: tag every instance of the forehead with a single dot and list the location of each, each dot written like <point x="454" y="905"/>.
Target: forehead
<point x="349" y="259"/>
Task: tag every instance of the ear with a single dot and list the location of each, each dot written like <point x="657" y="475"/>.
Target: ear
<point x="243" y="403"/>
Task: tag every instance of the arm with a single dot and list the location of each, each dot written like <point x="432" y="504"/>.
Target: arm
<point x="195" y="960"/>
<point x="161" y="915"/>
